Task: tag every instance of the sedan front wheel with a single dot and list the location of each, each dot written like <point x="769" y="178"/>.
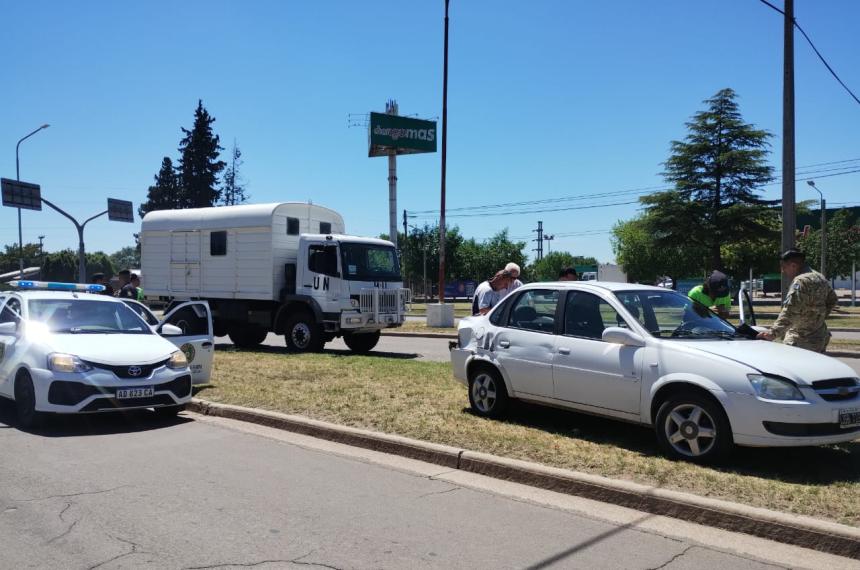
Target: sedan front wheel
<point x="692" y="427"/>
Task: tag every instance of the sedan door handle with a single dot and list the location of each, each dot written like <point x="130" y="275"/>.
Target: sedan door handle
<point x="564" y="350"/>
<point x="504" y="343"/>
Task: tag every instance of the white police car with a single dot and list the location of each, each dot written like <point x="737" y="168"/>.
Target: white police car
<point x="64" y="349"/>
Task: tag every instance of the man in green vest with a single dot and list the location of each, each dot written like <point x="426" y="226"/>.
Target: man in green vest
<point x="714" y="293"/>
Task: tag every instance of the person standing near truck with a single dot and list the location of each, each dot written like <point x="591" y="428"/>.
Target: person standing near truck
<point x="126" y="289"/>
<point x="714" y="293"/>
<point x="810" y="299"/>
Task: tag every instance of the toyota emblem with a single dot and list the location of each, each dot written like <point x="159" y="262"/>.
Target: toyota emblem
<point x="134" y="370"/>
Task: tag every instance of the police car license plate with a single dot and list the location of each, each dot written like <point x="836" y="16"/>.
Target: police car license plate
<point x="849" y="418"/>
<point x="142" y="392"/>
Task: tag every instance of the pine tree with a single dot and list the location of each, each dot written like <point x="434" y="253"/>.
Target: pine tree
<point x="232" y="190"/>
<point x="198" y="163"/>
<point x="716" y="171"/>
<point x="164" y="194"/>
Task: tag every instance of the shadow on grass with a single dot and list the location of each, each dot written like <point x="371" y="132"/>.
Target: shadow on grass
<point x="102" y="423"/>
<point x="801" y="465"/>
<point x="266" y="349"/>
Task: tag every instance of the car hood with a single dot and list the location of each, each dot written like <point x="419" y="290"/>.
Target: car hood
<point x="112" y="348"/>
<point x="802" y="366"/>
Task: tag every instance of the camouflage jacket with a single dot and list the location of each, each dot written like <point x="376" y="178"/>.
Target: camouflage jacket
<point x="809" y="302"/>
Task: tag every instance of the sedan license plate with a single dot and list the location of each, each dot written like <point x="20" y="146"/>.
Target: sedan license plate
<point x="142" y="392"/>
<point x="849" y="418"/>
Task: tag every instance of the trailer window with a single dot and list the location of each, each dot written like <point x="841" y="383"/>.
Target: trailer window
<point x="325" y="227"/>
<point x="292" y="226"/>
<point x="218" y="243"/>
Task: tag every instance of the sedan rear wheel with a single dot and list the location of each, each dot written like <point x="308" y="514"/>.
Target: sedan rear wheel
<point x="691" y="427"/>
<point x="487" y="393"/>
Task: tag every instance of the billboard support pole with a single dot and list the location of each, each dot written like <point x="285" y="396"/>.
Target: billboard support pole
<point x="391" y="109"/>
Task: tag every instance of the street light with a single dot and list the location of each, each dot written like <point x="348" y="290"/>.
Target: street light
<point x="18" y="178"/>
<point x="823" y="226"/>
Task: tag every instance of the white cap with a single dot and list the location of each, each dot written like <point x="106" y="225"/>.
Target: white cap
<point x="512" y="267"/>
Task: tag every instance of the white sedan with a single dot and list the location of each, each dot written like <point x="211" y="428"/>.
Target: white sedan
<point x="67" y="350"/>
<point x="654" y="357"/>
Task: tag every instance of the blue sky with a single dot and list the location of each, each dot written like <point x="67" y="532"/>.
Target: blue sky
<point x="547" y="99"/>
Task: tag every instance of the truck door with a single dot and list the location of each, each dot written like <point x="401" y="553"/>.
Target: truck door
<point x="322" y="276"/>
<point x="196" y="341"/>
<point x="185" y="262"/>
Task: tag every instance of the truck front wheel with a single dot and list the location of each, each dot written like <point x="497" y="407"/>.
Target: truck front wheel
<point x="361" y="343"/>
<point x="303" y="334"/>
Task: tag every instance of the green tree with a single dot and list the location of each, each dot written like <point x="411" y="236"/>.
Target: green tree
<point x="63" y="265"/>
<point x="843" y="245"/>
<point x="232" y="189"/>
<point x="9" y="257"/>
<point x="716" y="172"/>
<point x="481" y="260"/>
<point x="548" y="268"/>
<point x="165" y="193"/>
<point x="126" y="258"/>
<point x="413" y="255"/>
<point x="644" y="259"/>
<point x="199" y="166"/>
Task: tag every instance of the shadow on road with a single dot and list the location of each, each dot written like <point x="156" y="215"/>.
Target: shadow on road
<point x="266" y="349"/>
<point x="805" y="465"/>
<point x="103" y="423"/>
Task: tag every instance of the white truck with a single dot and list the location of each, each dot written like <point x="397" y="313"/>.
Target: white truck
<point x="605" y="272"/>
<point x="285" y="268"/>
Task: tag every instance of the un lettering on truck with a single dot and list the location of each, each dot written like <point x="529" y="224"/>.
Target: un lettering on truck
<point x="286" y="268"/>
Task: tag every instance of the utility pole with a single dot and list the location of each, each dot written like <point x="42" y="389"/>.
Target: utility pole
<point x="539" y="240"/>
<point x="442" y="231"/>
<point x="391" y="109"/>
<point x="41" y="255"/>
<point x="788" y="213"/>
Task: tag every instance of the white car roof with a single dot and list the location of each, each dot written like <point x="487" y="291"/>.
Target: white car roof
<point x="611" y="286"/>
<point x="41" y="294"/>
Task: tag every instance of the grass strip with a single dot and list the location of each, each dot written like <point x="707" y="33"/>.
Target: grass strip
<point x="422" y="400"/>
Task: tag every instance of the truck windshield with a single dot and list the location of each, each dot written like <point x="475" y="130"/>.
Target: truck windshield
<point x="368" y="262"/>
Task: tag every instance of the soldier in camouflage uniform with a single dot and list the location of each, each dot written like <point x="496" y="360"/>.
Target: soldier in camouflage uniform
<point x="809" y="302"/>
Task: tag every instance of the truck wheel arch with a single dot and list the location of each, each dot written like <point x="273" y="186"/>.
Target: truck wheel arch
<point x="293" y="304"/>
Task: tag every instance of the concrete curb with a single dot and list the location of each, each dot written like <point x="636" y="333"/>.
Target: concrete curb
<point x="806" y="532"/>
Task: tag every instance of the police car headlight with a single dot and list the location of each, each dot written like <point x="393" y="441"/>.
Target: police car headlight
<point x="772" y="388"/>
<point x="67" y="363"/>
<point x="177" y="360"/>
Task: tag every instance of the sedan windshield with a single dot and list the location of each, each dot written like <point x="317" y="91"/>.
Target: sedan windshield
<point x="81" y="316"/>
<point x="669" y="314"/>
<point x="368" y="262"/>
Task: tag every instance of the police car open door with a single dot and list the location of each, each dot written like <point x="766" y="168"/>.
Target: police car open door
<point x="195" y="320"/>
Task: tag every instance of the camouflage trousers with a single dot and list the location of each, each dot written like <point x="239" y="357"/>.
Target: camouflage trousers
<point x="816" y="342"/>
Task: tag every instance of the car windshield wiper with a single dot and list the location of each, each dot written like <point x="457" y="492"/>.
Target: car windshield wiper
<point x="707" y="334"/>
<point x="79" y="330"/>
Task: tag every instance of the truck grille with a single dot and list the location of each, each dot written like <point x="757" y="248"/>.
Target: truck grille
<point x="838" y="389"/>
<point x="383" y="301"/>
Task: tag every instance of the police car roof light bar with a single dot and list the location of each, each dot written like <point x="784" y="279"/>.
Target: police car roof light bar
<point x="57" y="286"/>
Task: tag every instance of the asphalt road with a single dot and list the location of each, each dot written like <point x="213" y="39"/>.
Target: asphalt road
<point x="419" y="348"/>
<point x="131" y="492"/>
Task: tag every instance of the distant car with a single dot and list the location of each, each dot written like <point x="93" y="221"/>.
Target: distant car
<point x="66" y="350"/>
<point x="654" y="357"/>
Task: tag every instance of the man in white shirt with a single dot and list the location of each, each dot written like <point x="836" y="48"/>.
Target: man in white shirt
<point x="514" y="270"/>
<point x="490" y="292"/>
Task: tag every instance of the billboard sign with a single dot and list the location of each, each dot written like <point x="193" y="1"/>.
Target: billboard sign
<point x="120" y="210"/>
<point x="17" y="194"/>
<point x="403" y="135"/>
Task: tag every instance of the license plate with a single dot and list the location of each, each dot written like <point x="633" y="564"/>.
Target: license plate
<point x="849" y="418"/>
<point x="126" y="393"/>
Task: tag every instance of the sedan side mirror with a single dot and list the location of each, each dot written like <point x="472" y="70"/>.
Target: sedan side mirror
<point x="170" y="330"/>
<point x="9" y="328"/>
<point x="618" y="335"/>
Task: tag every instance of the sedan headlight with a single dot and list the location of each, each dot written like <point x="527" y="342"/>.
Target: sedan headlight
<point x="772" y="388"/>
<point x="67" y="363"/>
<point x="177" y="360"/>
